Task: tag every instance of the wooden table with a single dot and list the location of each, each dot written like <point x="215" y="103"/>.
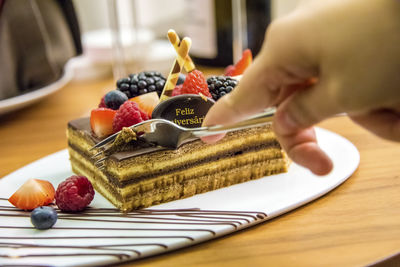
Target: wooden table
<point x="354" y="225"/>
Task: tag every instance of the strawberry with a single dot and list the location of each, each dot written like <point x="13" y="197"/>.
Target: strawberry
<point x="101" y="121"/>
<point x="229" y="70"/>
<point x="243" y="63"/>
<point x="147" y="102"/>
<point x="32" y="194"/>
<point x="195" y="83"/>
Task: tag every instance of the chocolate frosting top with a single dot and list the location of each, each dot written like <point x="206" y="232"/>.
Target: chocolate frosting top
<point x="139" y="148"/>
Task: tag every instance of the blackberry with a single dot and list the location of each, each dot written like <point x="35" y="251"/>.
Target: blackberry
<point x="141" y="83"/>
<point x="220" y="86"/>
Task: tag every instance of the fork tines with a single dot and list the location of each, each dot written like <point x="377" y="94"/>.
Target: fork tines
<point x="100" y="156"/>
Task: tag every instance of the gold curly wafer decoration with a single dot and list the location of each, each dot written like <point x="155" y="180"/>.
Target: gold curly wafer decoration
<point x="182" y="49"/>
<point x="174" y="40"/>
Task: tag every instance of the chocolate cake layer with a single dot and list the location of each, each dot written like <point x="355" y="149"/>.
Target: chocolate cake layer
<point x="149" y="176"/>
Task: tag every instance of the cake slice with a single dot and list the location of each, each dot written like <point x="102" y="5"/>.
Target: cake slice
<point x="146" y="176"/>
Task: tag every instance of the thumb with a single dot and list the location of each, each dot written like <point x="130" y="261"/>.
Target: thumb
<point x="257" y="90"/>
<point x="284" y="60"/>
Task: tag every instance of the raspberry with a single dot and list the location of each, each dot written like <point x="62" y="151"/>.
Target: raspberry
<point x="102" y="104"/>
<point x="177" y="90"/>
<point x="195" y="83"/>
<point x="74" y="194"/>
<point x="143" y="115"/>
<point x="127" y="115"/>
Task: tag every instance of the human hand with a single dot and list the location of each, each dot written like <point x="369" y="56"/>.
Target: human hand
<point x="325" y="58"/>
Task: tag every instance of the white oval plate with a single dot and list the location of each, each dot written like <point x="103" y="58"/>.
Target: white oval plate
<point x="103" y="236"/>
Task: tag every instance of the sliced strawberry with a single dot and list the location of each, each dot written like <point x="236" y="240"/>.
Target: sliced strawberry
<point x="32" y="194"/>
<point x="147" y="102"/>
<point x="243" y="63"/>
<point x="229" y="70"/>
<point x="101" y="121"/>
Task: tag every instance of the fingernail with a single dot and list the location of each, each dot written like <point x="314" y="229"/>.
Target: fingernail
<point x="287" y="123"/>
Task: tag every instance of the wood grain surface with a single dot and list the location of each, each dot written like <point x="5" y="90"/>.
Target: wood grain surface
<point x="356" y="224"/>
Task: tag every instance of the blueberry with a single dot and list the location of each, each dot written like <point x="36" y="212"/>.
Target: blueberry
<point x="181" y="79"/>
<point x="218" y="84"/>
<point x="43" y="217"/>
<point x="152" y="88"/>
<point x="114" y="99"/>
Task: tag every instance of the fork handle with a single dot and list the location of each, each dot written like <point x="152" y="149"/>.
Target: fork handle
<point x="253" y="121"/>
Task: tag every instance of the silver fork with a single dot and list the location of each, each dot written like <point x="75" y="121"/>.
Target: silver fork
<point x="167" y="134"/>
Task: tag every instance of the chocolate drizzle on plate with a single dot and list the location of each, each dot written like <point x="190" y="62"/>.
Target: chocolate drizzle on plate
<point x="108" y="234"/>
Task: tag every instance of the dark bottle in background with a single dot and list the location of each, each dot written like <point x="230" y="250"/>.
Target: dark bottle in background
<point x="209" y="24"/>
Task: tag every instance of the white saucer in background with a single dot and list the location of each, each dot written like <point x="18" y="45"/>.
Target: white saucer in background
<point x="140" y="54"/>
<point x="97" y="44"/>
<point x="20" y="101"/>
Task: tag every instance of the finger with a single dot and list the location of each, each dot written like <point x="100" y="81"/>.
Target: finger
<point x="250" y="96"/>
<point x="383" y="123"/>
<point x="292" y="123"/>
<point x="303" y="149"/>
<point x="286" y="91"/>
<point x="215" y="118"/>
<point x="304" y="108"/>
